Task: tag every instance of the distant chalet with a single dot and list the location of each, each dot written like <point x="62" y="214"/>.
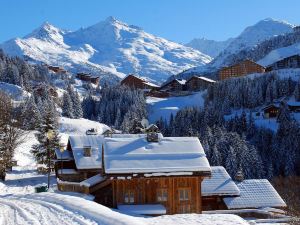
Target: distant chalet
<point x="288" y="62"/>
<point x="241" y="69"/>
<point x="88" y="78"/>
<point x="196" y="83"/>
<point x="176" y="85"/>
<point x="57" y="69"/>
<point x="136" y="82"/>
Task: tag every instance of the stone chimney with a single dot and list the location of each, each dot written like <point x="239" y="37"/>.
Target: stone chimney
<point x="239" y="176"/>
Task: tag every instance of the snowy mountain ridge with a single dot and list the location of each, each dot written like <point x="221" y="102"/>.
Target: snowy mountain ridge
<point x="248" y="39"/>
<point x="209" y="47"/>
<point x="110" y="48"/>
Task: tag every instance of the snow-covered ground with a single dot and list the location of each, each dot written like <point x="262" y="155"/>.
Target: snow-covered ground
<point x="14" y="91"/>
<point x="164" y="107"/>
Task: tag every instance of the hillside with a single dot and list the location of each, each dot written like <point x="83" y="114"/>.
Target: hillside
<point x="244" y="45"/>
<point x="109" y="48"/>
<point x="209" y="47"/>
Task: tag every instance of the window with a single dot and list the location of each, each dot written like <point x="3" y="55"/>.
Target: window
<point x="87" y="151"/>
<point x="184" y="194"/>
<point x="162" y="195"/>
<point x="129" y="196"/>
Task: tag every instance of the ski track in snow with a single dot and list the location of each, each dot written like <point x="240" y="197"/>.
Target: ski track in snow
<point x="28" y="211"/>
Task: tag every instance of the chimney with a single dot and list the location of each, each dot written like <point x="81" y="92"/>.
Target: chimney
<point x="87" y="151"/>
<point x="239" y="176"/>
<point x="152" y="137"/>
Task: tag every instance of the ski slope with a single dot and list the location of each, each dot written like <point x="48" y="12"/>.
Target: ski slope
<point x="164" y="107"/>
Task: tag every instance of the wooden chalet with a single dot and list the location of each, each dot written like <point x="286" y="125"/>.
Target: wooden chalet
<point x="196" y="83"/>
<point x="57" y="69"/>
<point x="88" y="78"/>
<point x="161" y="175"/>
<point x="152" y="128"/>
<point x="176" y="85"/>
<point x="156" y="171"/>
<point x="288" y="62"/>
<point x="150" y="174"/>
<point x="241" y="69"/>
<point x="272" y="110"/>
<point x="133" y="81"/>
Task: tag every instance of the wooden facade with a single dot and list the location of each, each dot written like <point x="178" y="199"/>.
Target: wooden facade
<point x="137" y="83"/>
<point x="177" y="194"/>
<point x="241" y="69"/>
<point x="88" y="78"/>
<point x="196" y="83"/>
<point x="173" y="86"/>
<point x="288" y="62"/>
<point x="271" y="111"/>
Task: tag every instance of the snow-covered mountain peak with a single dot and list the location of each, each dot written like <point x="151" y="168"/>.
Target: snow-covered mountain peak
<point x="107" y="48"/>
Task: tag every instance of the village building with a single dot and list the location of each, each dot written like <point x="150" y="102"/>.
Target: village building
<point x="136" y="82"/>
<point x="241" y="69"/>
<point x="196" y="83"/>
<point x="216" y="188"/>
<point x="149" y="174"/>
<point x="157" y="171"/>
<point x="288" y="62"/>
<point x="57" y="69"/>
<point x="152" y="128"/>
<point x="88" y="78"/>
<point x="176" y="85"/>
<point x="272" y="110"/>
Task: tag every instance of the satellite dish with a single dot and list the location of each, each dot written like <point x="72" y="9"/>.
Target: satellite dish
<point x="145" y="122"/>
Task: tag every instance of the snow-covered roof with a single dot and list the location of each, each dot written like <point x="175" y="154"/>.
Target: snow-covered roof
<point x="65" y="155"/>
<point x="204" y="78"/>
<point x="181" y="81"/>
<point x="148" y="209"/>
<point x="169" y="155"/>
<point x="255" y="194"/>
<point x="87" y="162"/>
<point x="92" y="180"/>
<point x="220" y="183"/>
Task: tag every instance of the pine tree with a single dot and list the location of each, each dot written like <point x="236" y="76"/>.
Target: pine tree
<point x="67" y="107"/>
<point x="77" y="108"/>
<point x="46" y="146"/>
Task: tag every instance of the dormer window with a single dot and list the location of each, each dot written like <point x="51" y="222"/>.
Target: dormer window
<point x="87" y="151"/>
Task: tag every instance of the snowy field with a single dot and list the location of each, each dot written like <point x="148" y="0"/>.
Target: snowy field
<point x="164" y="107"/>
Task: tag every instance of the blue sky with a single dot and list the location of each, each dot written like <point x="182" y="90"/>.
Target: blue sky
<point x="177" y="20"/>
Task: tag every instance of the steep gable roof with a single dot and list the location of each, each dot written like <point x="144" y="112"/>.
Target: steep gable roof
<point x="219" y="184"/>
<point x="255" y="194"/>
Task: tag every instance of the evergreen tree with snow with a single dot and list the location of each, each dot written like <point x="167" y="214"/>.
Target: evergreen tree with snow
<point x="67" y="106"/>
<point x="45" y="150"/>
